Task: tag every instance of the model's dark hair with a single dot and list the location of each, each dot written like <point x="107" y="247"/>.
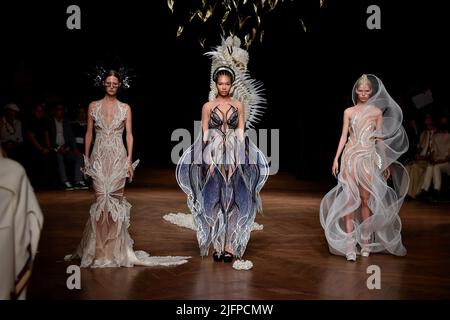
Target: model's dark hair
<point x="223" y="71"/>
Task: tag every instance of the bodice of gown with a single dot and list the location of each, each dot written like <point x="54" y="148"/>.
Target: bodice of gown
<point x="219" y="120"/>
<point x="362" y="130"/>
<point x="362" y="137"/>
<point x="109" y="135"/>
<point x="223" y="146"/>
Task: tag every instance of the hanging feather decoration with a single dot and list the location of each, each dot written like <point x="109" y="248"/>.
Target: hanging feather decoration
<point x="231" y="17"/>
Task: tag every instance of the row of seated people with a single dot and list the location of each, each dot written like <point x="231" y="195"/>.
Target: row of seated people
<point x="432" y="162"/>
<point x="50" y="148"/>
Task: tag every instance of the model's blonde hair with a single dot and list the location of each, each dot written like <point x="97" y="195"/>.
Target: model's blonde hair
<point x="363" y="80"/>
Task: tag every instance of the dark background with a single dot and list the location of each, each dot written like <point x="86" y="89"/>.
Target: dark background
<point x="308" y="76"/>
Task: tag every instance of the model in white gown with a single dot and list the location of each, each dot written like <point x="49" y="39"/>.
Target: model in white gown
<point x="363" y="209"/>
<point x="106" y="241"/>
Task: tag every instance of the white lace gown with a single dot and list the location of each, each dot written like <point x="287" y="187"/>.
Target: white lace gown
<point x="106" y="241"/>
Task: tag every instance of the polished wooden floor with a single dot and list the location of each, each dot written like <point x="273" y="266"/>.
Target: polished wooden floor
<point x="290" y="255"/>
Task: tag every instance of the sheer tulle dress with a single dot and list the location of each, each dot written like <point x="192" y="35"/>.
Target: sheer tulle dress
<point x="222" y="178"/>
<point x="368" y="152"/>
<point x="106" y="241"/>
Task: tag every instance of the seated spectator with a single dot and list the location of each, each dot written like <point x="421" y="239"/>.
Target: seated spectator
<point x="440" y="161"/>
<point x="11" y="138"/>
<point x="38" y="147"/>
<point x="79" y="126"/>
<point x="63" y="143"/>
<point x="416" y="169"/>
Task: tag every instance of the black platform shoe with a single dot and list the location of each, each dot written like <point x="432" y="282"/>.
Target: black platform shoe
<point x="227" y="257"/>
<point x="217" y="257"/>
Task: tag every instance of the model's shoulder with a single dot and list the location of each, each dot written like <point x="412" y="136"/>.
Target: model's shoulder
<point x="236" y="103"/>
<point x="125" y="105"/>
<point x="348" y="111"/>
<point x="208" y="105"/>
<point x="93" y="104"/>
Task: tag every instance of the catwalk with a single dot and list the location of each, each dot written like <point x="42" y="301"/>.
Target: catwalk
<point x="290" y="255"/>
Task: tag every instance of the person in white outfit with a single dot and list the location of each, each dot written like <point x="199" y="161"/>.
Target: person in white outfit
<point x="440" y="163"/>
<point x="417" y="168"/>
<point x="21" y="223"/>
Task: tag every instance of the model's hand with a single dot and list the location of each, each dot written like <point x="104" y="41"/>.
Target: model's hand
<point x="387" y="173"/>
<point x="335" y="168"/>
<point x="130" y="171"/>
<point x="86" y="165"/>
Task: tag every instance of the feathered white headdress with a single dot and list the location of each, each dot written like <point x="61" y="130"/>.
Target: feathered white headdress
<point x="244" y="89"/>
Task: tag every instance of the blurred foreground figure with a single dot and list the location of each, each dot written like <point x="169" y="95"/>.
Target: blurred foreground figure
<point x="21" y="222"/>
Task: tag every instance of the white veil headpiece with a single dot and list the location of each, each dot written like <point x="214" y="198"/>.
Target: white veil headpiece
<point x="391" y="132"/>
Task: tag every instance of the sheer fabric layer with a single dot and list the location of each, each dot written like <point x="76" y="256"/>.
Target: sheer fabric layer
<point x="222" y="178"/>
<point x="106" y="241"/>
<point x="369" y="151"/>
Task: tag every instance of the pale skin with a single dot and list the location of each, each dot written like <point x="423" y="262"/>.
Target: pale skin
<point x="223" y="102"/>
<point x="110" y="101"/>
<point x="363" y="93"/>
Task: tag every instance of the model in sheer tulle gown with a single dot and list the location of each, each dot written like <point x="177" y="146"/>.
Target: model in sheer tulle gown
<point x="222" y="173"/>
<point x="106" y="241"/>
<point x="361" y="214"/>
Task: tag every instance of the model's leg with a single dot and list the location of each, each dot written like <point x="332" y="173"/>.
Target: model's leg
<point x="365" y="213"/>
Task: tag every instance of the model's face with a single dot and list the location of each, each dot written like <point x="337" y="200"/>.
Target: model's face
<point x="111" y="84"/>
<point x="223" y="85"/>
<point x="363" y="92"/>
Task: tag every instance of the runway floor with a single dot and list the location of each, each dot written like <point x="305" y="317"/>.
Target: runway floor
<point x="290" y="255"/>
